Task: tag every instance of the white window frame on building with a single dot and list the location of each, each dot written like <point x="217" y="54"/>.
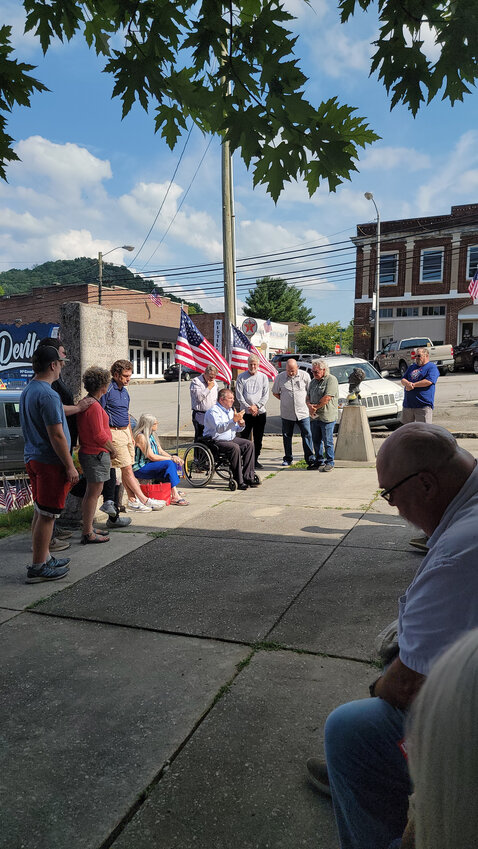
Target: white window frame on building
<point x="471" y="261"/>
<point x="386" y="312"/>
<point x="135" y="347"/>
<point x="388" y="277"/>
<point x="407" y="312"/>
<point x="427" y="256"/>
<point x="152" y="359"/>
<point x="434" y="310"/>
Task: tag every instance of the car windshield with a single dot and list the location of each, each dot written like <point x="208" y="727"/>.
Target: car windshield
<point x="342" y="373"/>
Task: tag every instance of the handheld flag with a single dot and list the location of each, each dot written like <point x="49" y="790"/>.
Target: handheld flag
<point x="473" y="285"/>
<point x="193" y="350"/>
<point x="242" y="349"/>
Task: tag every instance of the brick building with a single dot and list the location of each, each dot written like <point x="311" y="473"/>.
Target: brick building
<point x="425" y="267"/>
<point x="152" y="330"/>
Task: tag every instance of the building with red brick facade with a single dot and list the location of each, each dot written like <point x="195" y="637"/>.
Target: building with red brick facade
<point x="152" y="330"/>
<point x="425" y="267"/>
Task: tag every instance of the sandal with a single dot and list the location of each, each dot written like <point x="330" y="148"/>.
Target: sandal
<point x="181" y="502"/>
<point x="102" y="532"/>
<point x="97" y="538"/>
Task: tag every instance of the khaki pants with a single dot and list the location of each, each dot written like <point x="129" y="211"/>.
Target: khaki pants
<point x="417" y="414"/>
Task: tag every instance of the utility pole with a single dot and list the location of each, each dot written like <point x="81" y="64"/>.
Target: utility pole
<point x="228" y="243"/>
<point x="100" y="276"/>
<point x="370" y="196"/>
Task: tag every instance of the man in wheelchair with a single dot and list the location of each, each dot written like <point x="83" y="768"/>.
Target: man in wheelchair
<point x="222" y="424"/>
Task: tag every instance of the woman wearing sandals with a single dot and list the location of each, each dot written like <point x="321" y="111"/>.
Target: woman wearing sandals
<point x="96" y="451"/>
<point x="150" y="460"/>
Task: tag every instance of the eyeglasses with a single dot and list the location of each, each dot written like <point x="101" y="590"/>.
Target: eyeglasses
<point x="387" y="493"/>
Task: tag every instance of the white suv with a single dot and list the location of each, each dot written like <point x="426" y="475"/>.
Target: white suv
<point x="382" y="398"/>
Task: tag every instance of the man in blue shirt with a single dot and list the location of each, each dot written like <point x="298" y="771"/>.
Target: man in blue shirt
<point x="48" y="460"/>
<point x="419" y="383"/>
<point x="222" y="423"/>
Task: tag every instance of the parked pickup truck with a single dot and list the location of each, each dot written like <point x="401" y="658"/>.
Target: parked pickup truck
<point x="399" y="354"/>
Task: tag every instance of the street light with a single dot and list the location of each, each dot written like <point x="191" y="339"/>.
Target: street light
<point x="369" y="196"/>
<point x="100" y="266"/>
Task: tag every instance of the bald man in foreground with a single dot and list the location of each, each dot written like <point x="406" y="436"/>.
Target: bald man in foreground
<point x="434" y="484"/>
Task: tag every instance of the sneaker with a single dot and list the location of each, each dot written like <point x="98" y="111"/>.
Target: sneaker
<point x="62" y="533"/>
<point x="120" y="522"/>
<point x="286" y="463"/>
<point x="318" y="775"/>
<point x="109" y="508"/>
<point x="57" y="562"/>
<point x="155" y="503"/>
<point x="314" y="464"/>
<point x="138" y="507"/>
<point x="420" y="543"/>
<point x="46" y="572"/>
<point x="57" y="544"/>
<point x="326" y="468"/>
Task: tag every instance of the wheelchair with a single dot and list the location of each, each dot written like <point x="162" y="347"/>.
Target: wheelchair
<point x="203" y="459"/>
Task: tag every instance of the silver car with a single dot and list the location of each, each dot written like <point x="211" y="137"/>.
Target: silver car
<point x="11" y="436"/>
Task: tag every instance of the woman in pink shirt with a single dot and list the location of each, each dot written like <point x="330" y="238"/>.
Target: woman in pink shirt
<point x="96" y="450"/>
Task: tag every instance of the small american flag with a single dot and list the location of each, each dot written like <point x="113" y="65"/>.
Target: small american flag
<point x="193" y="350"/>
<point x="9" y="496"/>
<point x="154" y="297"/>
<point x="19" y="497"/>
<point x="267" y="326"/>
<point x="2" y="497"/>
<point x="473" y="286"/>
<point x="241" y="351"/>
<point x="27" y="491"/>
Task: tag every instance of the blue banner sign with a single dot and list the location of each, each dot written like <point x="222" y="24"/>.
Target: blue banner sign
<point x="17" y="346"/>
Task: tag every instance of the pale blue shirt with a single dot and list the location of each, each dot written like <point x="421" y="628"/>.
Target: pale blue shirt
<point x="441" y="603"/>
<point x="252" y="389"/>
<point x="219" y="424"/>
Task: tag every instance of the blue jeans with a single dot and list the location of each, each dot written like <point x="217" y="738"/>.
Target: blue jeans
<point x="368" y="773"/>
<point x="323" y="439"/>
<point x="163" y="470"/>
<point x="307" y="444"/>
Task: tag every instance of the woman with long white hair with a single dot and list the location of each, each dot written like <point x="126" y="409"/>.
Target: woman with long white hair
<point x="152" y="461"/>
<point x="443" y="750"/>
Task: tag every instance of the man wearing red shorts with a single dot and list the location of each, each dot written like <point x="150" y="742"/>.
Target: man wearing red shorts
<point x="48" y="460"/>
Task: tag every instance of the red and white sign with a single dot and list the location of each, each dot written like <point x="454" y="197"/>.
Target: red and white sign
<point x="337" y="349"/>
<point x="249" y="327"/>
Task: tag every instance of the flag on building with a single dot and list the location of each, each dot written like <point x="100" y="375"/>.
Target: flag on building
<point x="193" y="350"/>
<point x="154" y="297"/>
<point x="9" y="496"/>
<point x="473" y="286"/>
<point x="242" y="348"/>
<point x="267" y="326"/>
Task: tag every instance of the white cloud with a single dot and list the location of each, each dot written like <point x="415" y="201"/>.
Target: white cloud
<point x="383" y="158"/>
<point x="75" y="243"/>
<point x="455" y="179"/>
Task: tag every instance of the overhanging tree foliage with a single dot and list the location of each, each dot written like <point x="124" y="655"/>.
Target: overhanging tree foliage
<point x="276" y="299"/>
<point x="231" y="69"/>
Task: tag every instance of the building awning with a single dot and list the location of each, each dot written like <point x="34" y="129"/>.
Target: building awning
<point x="468" y="313"/>
<point x="159" y="332"/>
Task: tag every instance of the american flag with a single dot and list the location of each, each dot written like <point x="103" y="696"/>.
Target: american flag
<point x="154" y="297"/>
<point x="193" y="350"/>
<point x="9" y="496"/>
<point x="241" y="351"/>
<point x="473" y="287"/>
<point x="267" y="326"/>
<point x="2" y="497"/>
<point x="19" y="498"/>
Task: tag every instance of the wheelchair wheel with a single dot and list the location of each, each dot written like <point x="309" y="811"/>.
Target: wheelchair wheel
<point x="223" y="469"/>
<point x="232" y="485"/>
<point x="198" y="465"/>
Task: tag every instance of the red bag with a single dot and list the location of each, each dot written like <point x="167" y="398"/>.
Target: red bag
<point x="159" y="491"/>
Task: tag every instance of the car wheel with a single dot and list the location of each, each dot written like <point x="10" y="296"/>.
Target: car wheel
<point x="451" y="369"/>
<point x="402" y="367"/>
<point x="475" y="365"/>
<point x="186" y="376"/>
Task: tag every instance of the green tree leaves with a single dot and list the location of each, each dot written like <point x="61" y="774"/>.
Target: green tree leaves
<point x="276" y="299"/>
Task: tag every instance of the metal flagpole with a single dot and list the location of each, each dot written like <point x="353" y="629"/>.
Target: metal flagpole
<point x="179" y="400"/>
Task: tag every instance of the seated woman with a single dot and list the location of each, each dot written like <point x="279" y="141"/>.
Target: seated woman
<point x="151" y="461"/>
<point x="96" y="450"/>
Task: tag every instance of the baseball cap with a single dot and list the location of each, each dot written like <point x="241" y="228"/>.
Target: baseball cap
<point x="44" y="356"/>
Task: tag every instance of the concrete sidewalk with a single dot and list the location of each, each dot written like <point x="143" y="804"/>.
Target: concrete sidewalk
<point x="169" y="692"/>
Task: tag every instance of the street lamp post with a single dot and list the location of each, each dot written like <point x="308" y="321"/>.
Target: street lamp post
<point x="370" y="196"/>
<point x="100" y="266"/>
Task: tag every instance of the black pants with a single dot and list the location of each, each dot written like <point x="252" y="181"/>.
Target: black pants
<point x="198" y="428"/>
<point x="240" y="453"/>
<point x="256" y="424"/>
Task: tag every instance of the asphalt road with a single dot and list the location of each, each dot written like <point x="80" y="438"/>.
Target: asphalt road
<point x="456" y="405"/>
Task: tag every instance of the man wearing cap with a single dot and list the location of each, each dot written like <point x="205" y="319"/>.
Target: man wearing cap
<point x="48" y="460"/>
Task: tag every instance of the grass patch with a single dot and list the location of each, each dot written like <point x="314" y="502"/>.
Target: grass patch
<point x="16" y="521"/>
<point x="272" y="475"/>
<point x="157" y="534"/>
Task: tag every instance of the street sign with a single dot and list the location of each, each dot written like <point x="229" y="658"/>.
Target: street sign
<point x="337" y="348"/>
<point x="249" y="327"/>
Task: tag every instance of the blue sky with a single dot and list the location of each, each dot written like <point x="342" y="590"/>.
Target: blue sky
<point x="89" y="181"/>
